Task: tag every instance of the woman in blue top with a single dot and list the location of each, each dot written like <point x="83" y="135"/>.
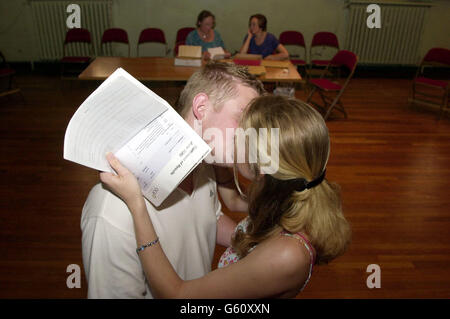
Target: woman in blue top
<point x="205" y="35"/>
<point x="259" y="41"/>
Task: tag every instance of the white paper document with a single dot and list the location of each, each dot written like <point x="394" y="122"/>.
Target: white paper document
<point x="142" y="130"/>
<point x="217" y="53"/>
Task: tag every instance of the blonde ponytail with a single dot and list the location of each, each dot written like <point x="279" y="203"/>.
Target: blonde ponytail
<point x="276" y="202"/>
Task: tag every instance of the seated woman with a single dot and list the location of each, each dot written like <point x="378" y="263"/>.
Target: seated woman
<point x="205" y="35"/>
<point x="259" y="41"/>
<point x="295" y="218"/>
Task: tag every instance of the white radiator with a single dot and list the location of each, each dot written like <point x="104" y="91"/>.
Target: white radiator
<point x="398" y="39"/>
<point x="50" y="26"/>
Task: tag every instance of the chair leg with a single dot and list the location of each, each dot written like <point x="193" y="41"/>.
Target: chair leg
<point x="342" y="108"/>
<point x="12" y="88"/>
<point x="324" y="101"/>
<point x="336" y="100"/>
<point x="310" y="95"/>
<point x="413" y="94"/>
<point x="10" y="85"/>
<point x="443" y="105"/>
<point x="329" y="110"/>
<point x="305" y="68"/>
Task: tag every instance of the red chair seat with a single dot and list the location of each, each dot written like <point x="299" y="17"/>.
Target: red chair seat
<point x="7" y="71"/>
<point x="298" y="62"/>
<point x="326" y="84"/>
<point x="431" y="82"/>
<point x="76" y="59"/>
<point x="320" y="62"/>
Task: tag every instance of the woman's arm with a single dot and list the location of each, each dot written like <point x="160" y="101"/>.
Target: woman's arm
<point x="246" y="45"/>
<point x="274" y="267"/>
<point x="225" y="230"/>
<point x="282" y="53"/>
<point x="228" y="192"/>
<point x="222" y="44"/>
<point x="232" y="199"/>
<point x="159" y="272"/>
<point x="206" y="55"/>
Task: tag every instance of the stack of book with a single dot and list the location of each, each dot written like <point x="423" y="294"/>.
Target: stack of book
<point x="189" y="55"/>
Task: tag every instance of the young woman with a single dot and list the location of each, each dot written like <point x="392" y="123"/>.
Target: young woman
<point x="295" y="218"/>
<point x="259" y="41"/>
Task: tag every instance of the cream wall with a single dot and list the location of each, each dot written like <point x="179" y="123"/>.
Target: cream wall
<point x="18" y="43"/>
<point x="437" y="27"/>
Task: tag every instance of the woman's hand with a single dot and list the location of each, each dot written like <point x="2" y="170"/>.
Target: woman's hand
<point x="125" y="184"/>
<point x="245" y="46"/>
<point x="206" y="55"/>
<point x="249" y="34"/>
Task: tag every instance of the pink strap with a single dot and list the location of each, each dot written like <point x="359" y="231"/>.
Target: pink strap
<point x="306" y="242"/>
<point x="310" y="246"/>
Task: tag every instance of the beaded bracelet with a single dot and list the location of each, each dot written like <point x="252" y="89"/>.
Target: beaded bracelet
<point x="139" y="249"/>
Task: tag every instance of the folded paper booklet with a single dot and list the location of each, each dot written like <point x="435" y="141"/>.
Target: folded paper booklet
<point x="217" y="53"/>
<point x="189" y="55"/>
<point x="143" y="131"/>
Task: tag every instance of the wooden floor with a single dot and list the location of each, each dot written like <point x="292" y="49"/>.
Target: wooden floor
<point x="392" y="162"/>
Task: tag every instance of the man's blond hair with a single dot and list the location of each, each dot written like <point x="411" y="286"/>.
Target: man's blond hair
<point x="219" y="81"/>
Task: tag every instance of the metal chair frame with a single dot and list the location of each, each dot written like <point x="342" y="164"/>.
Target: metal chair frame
<point x="8" y="73"/>
<point x="330" y="103"/>
<point x="421" y="97"/>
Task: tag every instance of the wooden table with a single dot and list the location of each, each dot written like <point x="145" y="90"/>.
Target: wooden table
<point x="163" y="69"/>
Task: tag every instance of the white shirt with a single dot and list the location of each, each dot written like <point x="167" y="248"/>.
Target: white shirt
<point x="186" y="227"/>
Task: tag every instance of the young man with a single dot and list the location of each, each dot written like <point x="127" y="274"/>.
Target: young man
<point x="189" y="222"/>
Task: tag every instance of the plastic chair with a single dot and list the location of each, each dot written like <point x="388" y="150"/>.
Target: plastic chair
<point x="181" y="38"/>
<point x="76" y="35"/>
<point x="425" y="86"/>
<point x="327" y="88"/>
<point x="294" y="38"/>
<point x="152" y="35"/>
<point x="6" y="72"/>
<point x="324" y="39"/>
<point x="114" y="35"/>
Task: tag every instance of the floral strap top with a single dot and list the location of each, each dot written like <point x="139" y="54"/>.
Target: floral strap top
<point x="230" y="256"/>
